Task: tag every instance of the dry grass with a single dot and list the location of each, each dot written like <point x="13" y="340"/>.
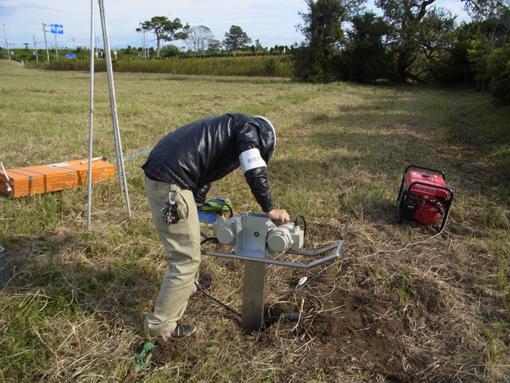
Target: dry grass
<point x="75" y="301"/>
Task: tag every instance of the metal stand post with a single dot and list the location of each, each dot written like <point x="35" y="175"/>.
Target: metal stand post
<point x="254" y="295"/>
<point x="91" y="116"/>
<point x="251" y="242"/>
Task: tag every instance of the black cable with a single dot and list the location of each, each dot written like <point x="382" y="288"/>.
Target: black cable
<point x="229" y="208"/>
<point x="217" y="301"/>
<point x="289" y="317"/>
<point x="212" y="239"/>
<point x="296" y="223"/>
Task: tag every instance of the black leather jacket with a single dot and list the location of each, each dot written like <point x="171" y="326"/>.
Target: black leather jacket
<point x="204" y="151"/>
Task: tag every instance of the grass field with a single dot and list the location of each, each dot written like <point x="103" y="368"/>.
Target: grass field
<point x="74" y="304"/>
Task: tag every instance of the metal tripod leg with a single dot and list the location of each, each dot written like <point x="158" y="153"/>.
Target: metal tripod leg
<point x="254" y="295"/>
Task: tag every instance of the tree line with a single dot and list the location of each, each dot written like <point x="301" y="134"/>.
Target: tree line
<point x="199" y="39"/>
<point x="413" y="40"/>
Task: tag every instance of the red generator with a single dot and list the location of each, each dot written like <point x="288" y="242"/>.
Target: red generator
<point x="424" y="197"/>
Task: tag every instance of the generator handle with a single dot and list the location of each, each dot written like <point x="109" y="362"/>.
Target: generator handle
<point x="423" y="168"/>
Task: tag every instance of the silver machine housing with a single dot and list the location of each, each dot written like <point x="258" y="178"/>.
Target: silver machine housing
<point x="279" y="239"/>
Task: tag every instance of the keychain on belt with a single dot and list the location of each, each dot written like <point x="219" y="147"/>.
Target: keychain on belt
<point x="169" y="209"/>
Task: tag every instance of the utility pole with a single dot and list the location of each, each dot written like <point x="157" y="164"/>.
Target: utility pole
<point x="35" y="50"/>
<point x="56" y="49"/>
<point x="7" y="45"/>
<point x="147" y="47"/>
<point x="46" y="42"/>
<point x="97" y="48"/>
<point x="143" y="44"/>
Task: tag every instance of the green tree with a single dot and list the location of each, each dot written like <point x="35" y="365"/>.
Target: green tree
<point x="235" y="39"/>
<point x="164" y="29"/>
<point x="493" y="33"/>
<point x="489" y="53"/>
<point x="499" y="72"/>
<point x="452" y="64"/>
<point x="366" y="57"/>
<point x="170" y="50"/>
<point x="419" y="29"/>
<point x="481" y="10"/>
<point x="214" y="45"/>
<point x="322" y="28"/>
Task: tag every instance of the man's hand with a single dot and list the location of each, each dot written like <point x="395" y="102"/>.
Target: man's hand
<point x="279" y="215"/>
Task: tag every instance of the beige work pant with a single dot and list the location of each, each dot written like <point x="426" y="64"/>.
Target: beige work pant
<point x="182" y="244"/>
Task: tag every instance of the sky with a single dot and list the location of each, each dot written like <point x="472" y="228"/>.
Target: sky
<point x="272" y="22"/>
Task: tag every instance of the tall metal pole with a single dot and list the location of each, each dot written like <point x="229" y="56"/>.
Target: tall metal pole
<point x="89" y="200"/>
<point x="56" y="49"/>
<point x="46" y="42"/>
<point x="7" y="45"/>
<point x="120" y="158"/>
<point x="147" y="47"/>
<point x="143" y="44"/>
<point x="35" y="50"/>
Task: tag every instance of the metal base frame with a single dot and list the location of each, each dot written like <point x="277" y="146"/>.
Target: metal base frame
<point x="251" y="247"/>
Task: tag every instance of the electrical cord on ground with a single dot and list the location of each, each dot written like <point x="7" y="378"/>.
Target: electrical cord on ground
<point x="289" y="317"/>
<point x="217" y="300"/>
<point x="408" y="245"/>
<point x="306" y="281"/>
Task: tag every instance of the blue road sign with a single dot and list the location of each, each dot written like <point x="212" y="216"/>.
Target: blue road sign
<point x="57" y="29"/>
<point x="70" y="56"/>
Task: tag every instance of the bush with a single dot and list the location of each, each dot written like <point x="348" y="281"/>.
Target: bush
<point x="501" y="92"/>
<point x="271" y="66"/>
<point x="499" y="73"/>
<point x="454" y="68"/>
<point x="279" y="66"/>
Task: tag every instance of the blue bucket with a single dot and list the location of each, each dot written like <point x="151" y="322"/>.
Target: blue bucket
<point x="3" y="271"/>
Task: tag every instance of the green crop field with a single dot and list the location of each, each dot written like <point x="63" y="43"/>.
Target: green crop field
<point x="438" y="310"/>
<point x="271" y="66"/>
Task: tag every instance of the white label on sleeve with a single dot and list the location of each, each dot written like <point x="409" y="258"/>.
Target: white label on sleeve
<point x="251" y="159"/>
